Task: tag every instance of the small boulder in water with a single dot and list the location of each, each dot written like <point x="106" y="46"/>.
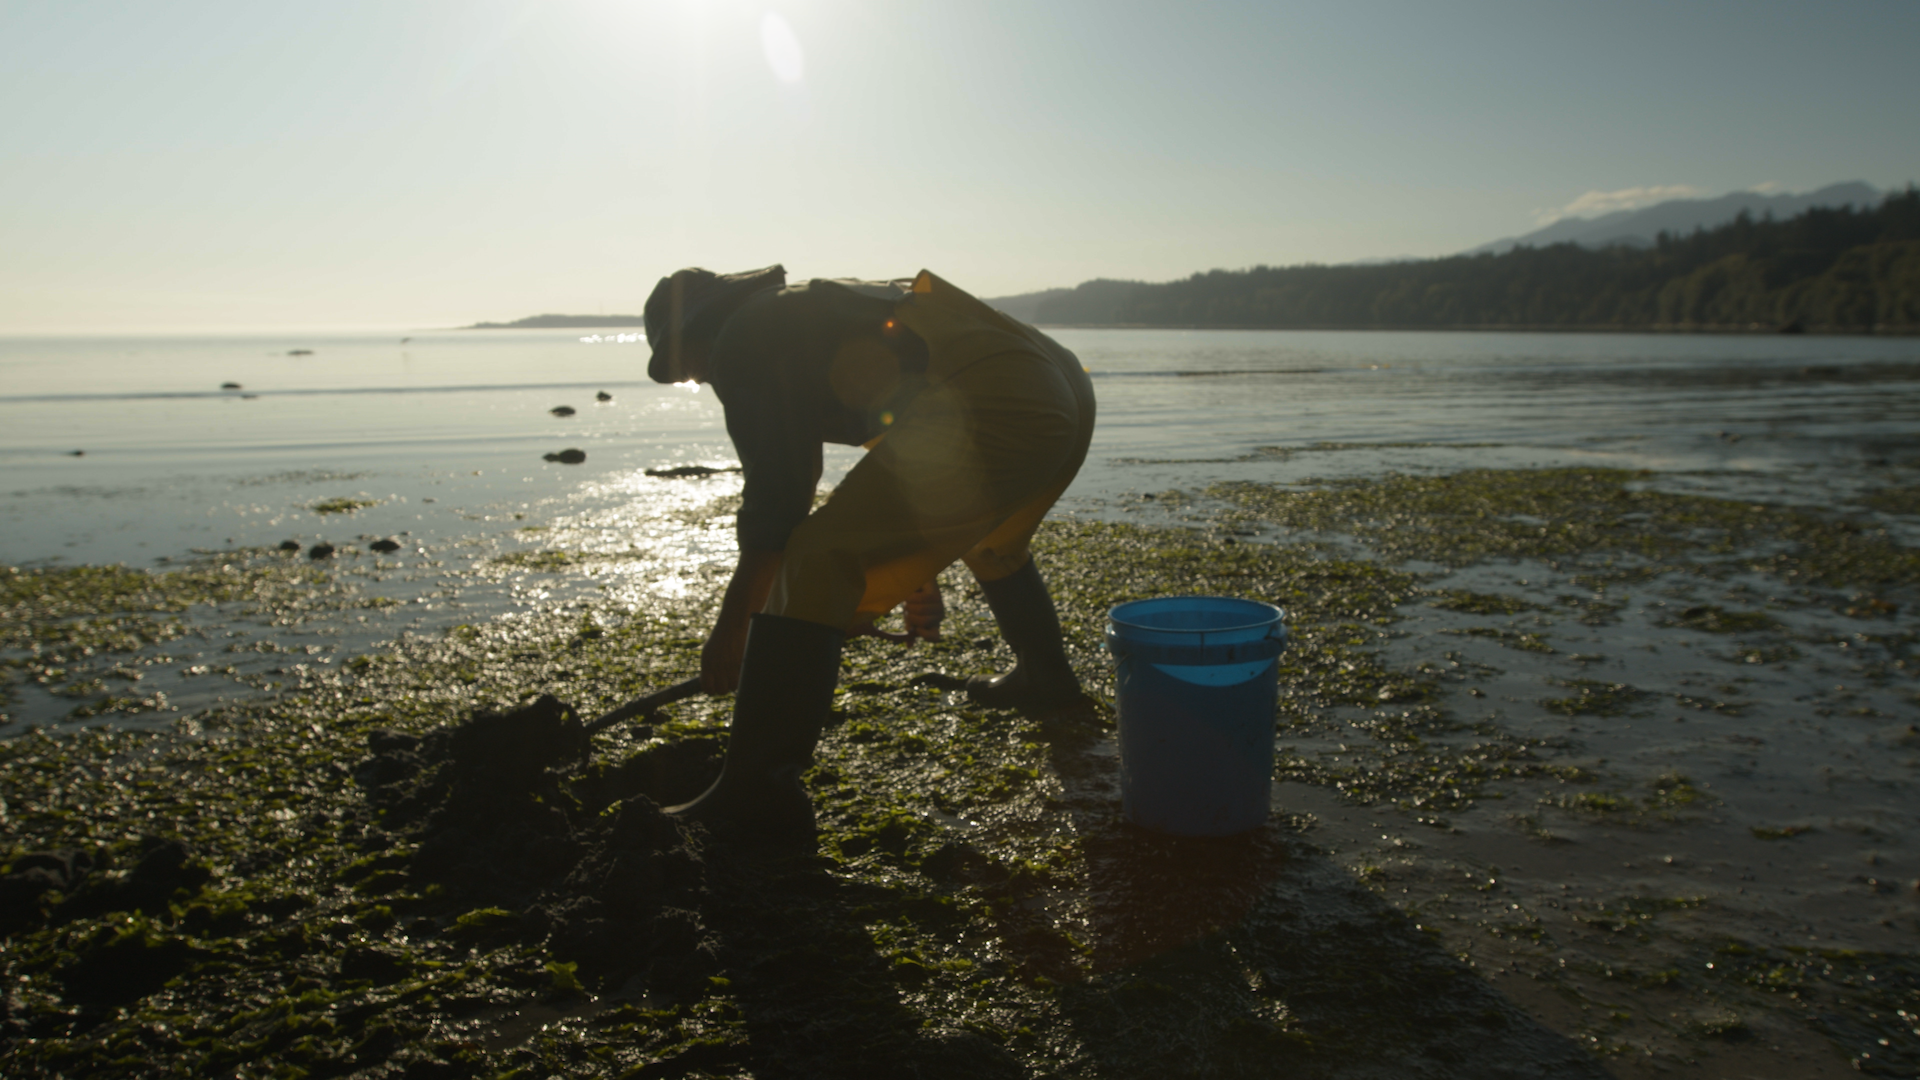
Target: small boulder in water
<point x="561" y="410"/>
<point x="568" y="456"/>
<point x="76" y="453"/>
<point x="229" y="386"/>
<point x="320" y="551"/>
<point x="680" y="471"/>
<point x="603" y="396"/>
<point x="385" y="544"/>
<point x="289" y="545"/>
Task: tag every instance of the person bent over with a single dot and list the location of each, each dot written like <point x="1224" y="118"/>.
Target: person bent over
<point x="974" y="424"/>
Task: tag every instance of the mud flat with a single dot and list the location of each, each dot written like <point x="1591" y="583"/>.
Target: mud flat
<point x="1582" y="772"/>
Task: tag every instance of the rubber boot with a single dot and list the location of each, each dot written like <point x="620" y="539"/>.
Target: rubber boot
<point x="1041" y="676"/>
<point x="786" y="690"/>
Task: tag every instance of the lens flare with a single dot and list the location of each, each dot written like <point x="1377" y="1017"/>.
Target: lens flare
<point x="782" y="47"/>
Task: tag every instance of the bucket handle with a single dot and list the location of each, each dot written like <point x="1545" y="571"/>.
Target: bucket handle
<point x="1276" y="632"/>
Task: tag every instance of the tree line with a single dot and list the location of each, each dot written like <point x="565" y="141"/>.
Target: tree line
<point x="1832" y="270"/>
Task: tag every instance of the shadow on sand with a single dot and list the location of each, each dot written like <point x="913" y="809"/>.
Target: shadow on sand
<point x="1247" y="956"/>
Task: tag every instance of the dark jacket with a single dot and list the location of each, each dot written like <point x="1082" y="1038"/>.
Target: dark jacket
<point x="798" y="367"/>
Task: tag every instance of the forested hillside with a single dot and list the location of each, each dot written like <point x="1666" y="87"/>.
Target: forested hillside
<point x="1824" y="270"/>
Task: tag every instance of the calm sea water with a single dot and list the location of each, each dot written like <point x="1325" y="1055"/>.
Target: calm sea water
<point x="172" y="462"/>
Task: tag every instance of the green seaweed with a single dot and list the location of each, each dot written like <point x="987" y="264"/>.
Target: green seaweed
<point x="1512" y="639"/>
<point x="1475" y="603"/>
<point x="1895" y="500"/>
<point x="1716" y="620"/>
<point x="1594" y="697"/>
<point x="1605" y="519"/>
<point x="975" y="903"/>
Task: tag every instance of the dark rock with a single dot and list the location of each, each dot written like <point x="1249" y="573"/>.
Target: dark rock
<point x="689" y="470"/>
<point x="76" y="453"/>
<point x="568" y="456"/>
<point x="289" y="545"/>
<point x="114" y="969"/>
<point x="377" y="1047"/>
<point x="603" y="396"/>
<point x="394" y="759"/>
<point x="166" y="867"/>
<point x="377" y="966"/>
<point x="320" y="551"/>
<point x="33" y="876"/>
<point x="299" y="352"/>
<point x="385" y="544"/>
<point x="382" y="770"/>
<point x="383" y="741"/>
<point x="229" y="386"/>
<point x="561" y="410"/>
<point x="163" y="867"/>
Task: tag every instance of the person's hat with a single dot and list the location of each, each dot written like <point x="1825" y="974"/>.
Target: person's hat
<point x="692" y="304"/>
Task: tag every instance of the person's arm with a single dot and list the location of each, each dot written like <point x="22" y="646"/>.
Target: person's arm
<point x="780" y="461"/>
<point x="753" y="578"/>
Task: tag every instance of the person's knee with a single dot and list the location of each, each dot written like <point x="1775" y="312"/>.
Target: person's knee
<point x="992" y="564"/>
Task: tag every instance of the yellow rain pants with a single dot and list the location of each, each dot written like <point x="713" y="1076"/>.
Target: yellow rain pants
<point x="965" y="472"/>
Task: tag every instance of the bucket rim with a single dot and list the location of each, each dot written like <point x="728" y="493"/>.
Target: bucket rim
<point x="1273" y="613"/>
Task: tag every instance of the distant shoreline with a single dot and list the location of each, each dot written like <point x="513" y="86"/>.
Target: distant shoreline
<point x="561" y="322"/>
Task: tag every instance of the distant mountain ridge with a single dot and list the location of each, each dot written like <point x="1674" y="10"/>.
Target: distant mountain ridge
<point x="1096" y="301"/>
<point x="1638" y="228"/>
<point x="1106" y="302"/>
<point x="1843" y="269"/>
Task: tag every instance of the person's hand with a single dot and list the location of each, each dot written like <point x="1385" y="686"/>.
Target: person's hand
<point x="922" y="612"/>
<point x="720" y="657"/>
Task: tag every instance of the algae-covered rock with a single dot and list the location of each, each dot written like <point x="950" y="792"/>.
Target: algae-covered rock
<point x="113" y="968"/>
<point x="31" y="877"/>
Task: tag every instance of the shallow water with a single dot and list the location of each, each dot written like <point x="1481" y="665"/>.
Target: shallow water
<point x="172" y="462"/>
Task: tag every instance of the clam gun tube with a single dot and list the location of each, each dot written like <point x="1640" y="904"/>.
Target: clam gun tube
<point x="641" y="706"/>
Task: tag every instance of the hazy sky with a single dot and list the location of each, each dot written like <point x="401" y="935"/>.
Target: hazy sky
<point x="203" y="163"/>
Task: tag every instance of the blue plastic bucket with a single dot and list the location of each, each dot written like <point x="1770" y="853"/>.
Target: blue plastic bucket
<point x="1197" y="677"/>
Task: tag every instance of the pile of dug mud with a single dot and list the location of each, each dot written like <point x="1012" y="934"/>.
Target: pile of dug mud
<point x="504" y="813"/>
<point x="590" y="864"/>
